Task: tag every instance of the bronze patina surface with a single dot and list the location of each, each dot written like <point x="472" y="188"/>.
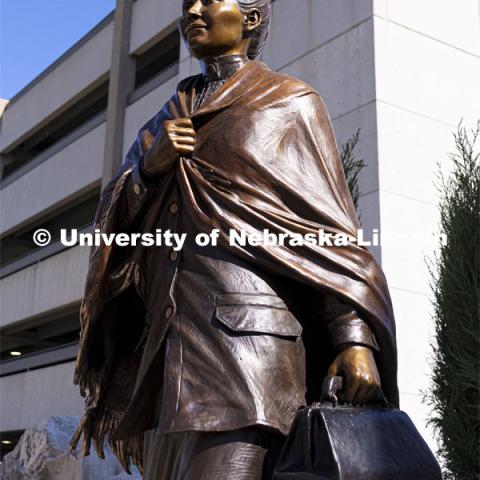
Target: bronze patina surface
<point x="228" y="338"/>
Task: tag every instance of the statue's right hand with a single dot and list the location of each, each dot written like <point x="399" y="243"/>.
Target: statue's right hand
<point x="177" y="138"/>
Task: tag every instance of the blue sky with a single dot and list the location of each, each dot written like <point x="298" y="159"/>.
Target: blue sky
<point x="33" y="33"/>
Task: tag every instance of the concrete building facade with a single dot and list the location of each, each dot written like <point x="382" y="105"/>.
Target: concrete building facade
<point x="403" y="72"/>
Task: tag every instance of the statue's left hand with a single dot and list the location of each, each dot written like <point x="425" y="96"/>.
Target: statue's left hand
<point x="361" y="378"/>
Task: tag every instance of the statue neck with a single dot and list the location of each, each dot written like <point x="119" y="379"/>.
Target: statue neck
<point x="222" y="67"/>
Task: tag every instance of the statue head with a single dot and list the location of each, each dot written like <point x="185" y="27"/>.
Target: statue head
<point x="223" y="27"/>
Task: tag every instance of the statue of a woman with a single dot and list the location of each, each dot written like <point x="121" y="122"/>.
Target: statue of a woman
<point x="197" y="360"/>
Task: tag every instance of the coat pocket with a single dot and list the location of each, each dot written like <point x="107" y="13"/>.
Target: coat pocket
<point x="256" y="313"/>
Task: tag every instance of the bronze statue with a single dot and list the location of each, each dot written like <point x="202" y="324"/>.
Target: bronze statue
<point x="206" y="354"/>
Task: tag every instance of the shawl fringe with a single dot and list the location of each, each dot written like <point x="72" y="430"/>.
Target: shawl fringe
<point x="99" y="422"/>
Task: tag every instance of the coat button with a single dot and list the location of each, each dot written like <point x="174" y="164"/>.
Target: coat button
<point x="137" y="189"/>
<point x="173" y="255"/>
<point x="168" y="312"/>
<point x="173" y="209"/>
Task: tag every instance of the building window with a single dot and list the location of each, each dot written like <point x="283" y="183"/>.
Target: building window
<point x="85" y="109"/>
<point x="43" y="335"/>
<point x="78" y="214"/>
<point x="158" y="58"/>
<point x="8" y="441"/>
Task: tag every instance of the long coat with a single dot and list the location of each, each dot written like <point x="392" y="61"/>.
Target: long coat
<point x="265" y="158"/>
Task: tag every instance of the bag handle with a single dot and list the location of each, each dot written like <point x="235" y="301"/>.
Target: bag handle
<point x="331" y="385"/>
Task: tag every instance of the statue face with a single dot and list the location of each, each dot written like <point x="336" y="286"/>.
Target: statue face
<point x="212" y="27"/>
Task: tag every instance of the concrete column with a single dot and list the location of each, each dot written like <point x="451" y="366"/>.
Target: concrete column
<point x="122" y="82"/>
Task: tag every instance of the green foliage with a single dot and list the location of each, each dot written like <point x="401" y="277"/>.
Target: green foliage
<point x="352" y="167"/>
<point x="455" y="394"/>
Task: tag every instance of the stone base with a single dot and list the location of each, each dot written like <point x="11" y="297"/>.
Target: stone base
<point x="43" y="454"/>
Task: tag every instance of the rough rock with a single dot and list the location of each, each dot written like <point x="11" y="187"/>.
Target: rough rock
<point x="43" y="454"/>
